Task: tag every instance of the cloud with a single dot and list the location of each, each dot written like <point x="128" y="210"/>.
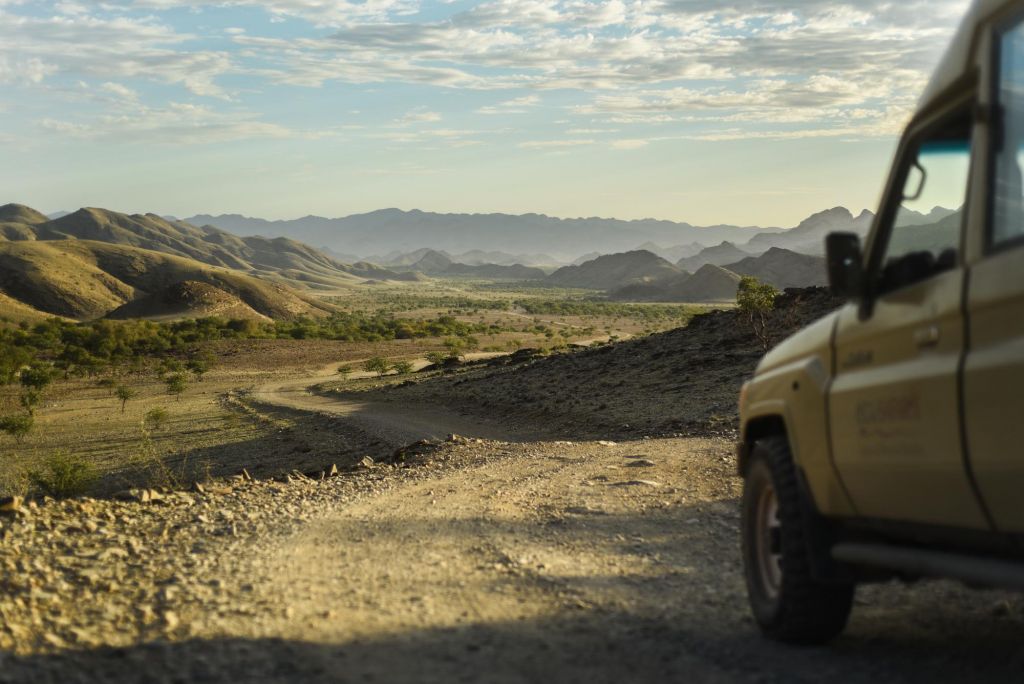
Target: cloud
<point x="629" y="144"/>
<point x="519" y="105"/>
<point x="175" y="124"/>
<point x="555" y="144"/>
<point x="758" y="65"/>
<point x="418" y="115"/>
<point x="108" y="48"/>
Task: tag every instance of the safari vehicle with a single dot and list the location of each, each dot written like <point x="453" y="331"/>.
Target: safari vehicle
<point x="887" y="439"/>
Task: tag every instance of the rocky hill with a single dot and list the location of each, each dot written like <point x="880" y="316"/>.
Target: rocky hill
<point x="85" y="279"/>
<point x="614" y="271"/>
<point x="709" y="284"/>
<point x="784" y="268"/>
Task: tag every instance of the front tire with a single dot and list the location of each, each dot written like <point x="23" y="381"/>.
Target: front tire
<point x="788" y="603"/>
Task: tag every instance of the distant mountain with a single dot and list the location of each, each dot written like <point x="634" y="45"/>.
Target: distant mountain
<point x="613" y="271"/>
<point x="675" y="253"/>
<point x="439" y="264"/>
<point x="710" y="283"/>
<point x="909" y="217"/>
<point x="589" y="256"/>
<point x="809" y="236"/>
<point x="717" y="255"/>
<point x="783" y="268"/>
<point x="387" y="230"/>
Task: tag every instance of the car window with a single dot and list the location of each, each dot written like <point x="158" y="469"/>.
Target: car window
<point x="925" y="234"/>
<point x="1008" y="201"/>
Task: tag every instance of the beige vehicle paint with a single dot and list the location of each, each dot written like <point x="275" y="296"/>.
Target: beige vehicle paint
<point x="911" y="408"/>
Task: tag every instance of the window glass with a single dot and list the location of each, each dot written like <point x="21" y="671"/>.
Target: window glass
<point x="1008" y="218"/>
<point x="925" y="237"/>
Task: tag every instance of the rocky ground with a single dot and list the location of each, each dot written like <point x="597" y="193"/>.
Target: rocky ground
<point x="467" y="560"/>
<point x="514" y="553"/>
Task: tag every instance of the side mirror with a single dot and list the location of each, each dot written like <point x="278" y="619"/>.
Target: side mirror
<point x="845" y="264"/>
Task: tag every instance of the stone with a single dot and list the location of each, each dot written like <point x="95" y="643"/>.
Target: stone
<point x="332" y="470"/>
<point x="367" y="462"/>
<point x="641" y="463"/>
<point x="11" y="504"/>
<point x="246" y="476"/>
<point x="198" y="488"/>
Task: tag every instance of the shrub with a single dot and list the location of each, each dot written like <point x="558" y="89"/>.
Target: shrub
<point x="435" y="357"/>
<point x="344" y="370"/>
<point x="29" y="399"/>
<point x="176" y="384"/>
<point x="376" y="365"/>
<point x="755" y="299"/>
<point x="402" y="367"/>
<point x="199" y="366"/>
<point x="17" y="427"/>
<point x="63" y="475"/>
<point x="155" y="418"/>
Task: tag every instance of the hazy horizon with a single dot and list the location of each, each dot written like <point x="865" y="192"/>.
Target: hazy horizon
<point x="758" y="112"/>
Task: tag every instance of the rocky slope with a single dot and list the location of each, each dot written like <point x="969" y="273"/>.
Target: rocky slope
<point x="686" y="380"/>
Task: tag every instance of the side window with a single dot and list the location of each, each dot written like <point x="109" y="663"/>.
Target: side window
<point x="925" y="236"/>
<point x="1008" y="200"/>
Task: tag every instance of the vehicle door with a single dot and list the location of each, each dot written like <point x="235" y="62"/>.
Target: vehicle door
<point x="894" y="403"/>
<point x="994" y="368"/>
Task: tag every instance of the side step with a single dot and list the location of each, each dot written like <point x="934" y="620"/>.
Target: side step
<point x="990" y="572"/>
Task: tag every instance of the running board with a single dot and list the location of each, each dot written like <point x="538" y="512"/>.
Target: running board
<point x="972" y="570"/>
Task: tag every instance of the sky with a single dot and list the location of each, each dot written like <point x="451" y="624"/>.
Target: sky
<point x="753" y="112"/>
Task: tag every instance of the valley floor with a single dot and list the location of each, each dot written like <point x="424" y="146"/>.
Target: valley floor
<point x="475" y="559"/>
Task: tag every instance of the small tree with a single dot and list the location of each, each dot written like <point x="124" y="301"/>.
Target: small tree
<point x="124" y="394"/>
<point x="755" y="300"/>
<point x="376" y="365"/>
<point x="402" y="367"/>
<point x="37" y="376"/>
<point x="17" y="427"/>
<point x="156" y="417"/>
<point x="176" y="384"/>
<point x="344" y="370"/>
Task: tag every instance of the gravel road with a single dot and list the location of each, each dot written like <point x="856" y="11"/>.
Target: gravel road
<point x="477" y="561"/>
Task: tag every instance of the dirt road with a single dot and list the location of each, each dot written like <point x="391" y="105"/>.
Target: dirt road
<point x="483" y="561"/>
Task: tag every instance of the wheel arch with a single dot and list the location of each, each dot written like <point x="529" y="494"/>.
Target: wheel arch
<point x="760" y="427"/>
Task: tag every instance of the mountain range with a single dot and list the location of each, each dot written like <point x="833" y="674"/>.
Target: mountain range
<point x="394" y="230"/>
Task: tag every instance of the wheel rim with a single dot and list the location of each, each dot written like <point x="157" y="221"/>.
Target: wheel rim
<point x="767" y="540"/>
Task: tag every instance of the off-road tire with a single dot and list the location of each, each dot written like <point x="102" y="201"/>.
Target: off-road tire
<point x="801" y="609"/>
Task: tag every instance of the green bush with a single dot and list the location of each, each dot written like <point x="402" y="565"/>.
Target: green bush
<point x="176" y="384"/>
<point x="402" y="367"/>
<point x="63" y="475"/>
<point x="156" y="417"/>
<point x="376" y="365"/>
<point x="17" y="427"/>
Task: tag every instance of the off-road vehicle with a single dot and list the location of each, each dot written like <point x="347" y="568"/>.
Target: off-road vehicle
<point x="887" y="439"/>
